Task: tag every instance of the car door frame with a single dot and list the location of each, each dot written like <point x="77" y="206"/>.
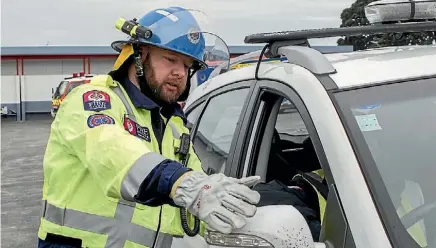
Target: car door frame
<point x="286" y="91"/>
<point x="246" y="83"/>
<point x="340" y="236"/>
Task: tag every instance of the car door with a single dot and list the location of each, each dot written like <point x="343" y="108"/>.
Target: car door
<point x="280" y="126"/>
<point x="215" y="122"/>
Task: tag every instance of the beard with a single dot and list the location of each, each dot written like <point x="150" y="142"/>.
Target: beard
<point x="157" y="88"/>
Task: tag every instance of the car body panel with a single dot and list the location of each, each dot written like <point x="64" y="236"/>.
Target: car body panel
<point x="354" y="69"/>
<point x="382" y="65"/>
<point x="357" y="202"/>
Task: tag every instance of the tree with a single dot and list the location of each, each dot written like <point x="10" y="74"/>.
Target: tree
<point x="355" y="16"/>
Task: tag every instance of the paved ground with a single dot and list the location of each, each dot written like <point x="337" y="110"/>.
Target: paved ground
<point x="22" y="149"/>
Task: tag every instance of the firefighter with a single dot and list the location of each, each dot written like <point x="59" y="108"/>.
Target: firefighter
<point x="118" y="168"/>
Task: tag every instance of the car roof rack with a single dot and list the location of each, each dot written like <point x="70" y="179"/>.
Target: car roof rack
<point x="295" y="47"/>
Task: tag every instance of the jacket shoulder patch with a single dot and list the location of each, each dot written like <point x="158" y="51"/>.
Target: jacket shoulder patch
<point x="96" y="100"/>
<point x="136" y="130"/>
<point x="99" y="119"/>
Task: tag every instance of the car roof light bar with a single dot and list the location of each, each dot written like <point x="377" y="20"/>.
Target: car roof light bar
<point x="300" y="35"/>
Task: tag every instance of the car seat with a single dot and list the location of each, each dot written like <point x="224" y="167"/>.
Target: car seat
<point x="284" y="166"/>
<point x="278" y="167"/>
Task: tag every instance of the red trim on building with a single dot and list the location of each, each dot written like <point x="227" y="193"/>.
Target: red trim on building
<point x="72" y="56"/>
<point x="84" y="57"/>
<point x="22" y="66"/>
<point x="16" y="64"/>
<point x="84" y="65"/>
<point x="59" y="56"/>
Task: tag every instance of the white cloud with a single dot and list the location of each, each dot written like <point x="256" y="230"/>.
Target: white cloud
<point x="91" y="22"/>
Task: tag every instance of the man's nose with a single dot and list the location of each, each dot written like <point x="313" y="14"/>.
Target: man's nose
<point x="179" y="70"/>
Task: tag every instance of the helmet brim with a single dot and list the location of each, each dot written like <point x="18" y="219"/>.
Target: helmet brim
<point x="118" y="46"/>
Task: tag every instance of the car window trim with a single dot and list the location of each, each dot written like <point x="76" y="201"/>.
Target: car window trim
<point x="247" y="83"/>
<point x="282" y="89"/>
<point x="239" y="146"/>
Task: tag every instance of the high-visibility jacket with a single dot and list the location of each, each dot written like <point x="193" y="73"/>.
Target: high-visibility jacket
<point x="411" y="198"/>
<point x="101" y="148"/>
<point x="315" y="179"/>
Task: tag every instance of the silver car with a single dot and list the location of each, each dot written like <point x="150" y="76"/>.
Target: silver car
<point x="370" y="117"/>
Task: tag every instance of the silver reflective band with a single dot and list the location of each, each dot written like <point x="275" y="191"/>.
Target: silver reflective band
<point x="176" y="133"/>
<point x="119" y="229"/>
<point x="137" y="173"/>
<point x="123" y="98"/>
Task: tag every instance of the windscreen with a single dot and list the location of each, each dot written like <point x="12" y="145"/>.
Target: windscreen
<point x="74" y="85"/>
<point x="61" y="88"/>
<point x="397" y="124"/>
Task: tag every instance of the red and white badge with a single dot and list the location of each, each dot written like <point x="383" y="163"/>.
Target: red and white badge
<point x="136" y="130"/>
<point x="96" y="100"/>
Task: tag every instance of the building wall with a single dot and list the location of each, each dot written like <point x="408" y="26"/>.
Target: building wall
<point x="40" y="77"/>
<point x="10" y="90"/>
<point x="32" y="80"/>
<point x="101" y="65"/>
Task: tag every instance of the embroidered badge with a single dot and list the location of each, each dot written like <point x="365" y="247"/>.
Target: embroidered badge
<point x="99" y="119"/>
<point x="193" y="35"/>
<point x="96" y="100"/>
<point x="136" y="130"/>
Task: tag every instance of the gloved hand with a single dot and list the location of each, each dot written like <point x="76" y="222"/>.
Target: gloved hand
<point x="221" y="202"/>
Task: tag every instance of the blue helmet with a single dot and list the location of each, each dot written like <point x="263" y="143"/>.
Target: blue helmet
<point x="174" y="29"/>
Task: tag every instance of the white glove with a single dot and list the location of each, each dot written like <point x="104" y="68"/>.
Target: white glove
<point x="221" y="202"/>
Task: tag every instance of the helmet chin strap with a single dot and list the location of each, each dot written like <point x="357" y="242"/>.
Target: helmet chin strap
<point x="145" y="88"/>
<point x="140" y="77"/>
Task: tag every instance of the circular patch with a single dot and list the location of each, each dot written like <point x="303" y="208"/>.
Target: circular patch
<point x="99" y="119"/>
<point x="193" y="35"/>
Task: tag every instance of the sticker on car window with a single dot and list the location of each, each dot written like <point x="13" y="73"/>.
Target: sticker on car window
<point x="368" y="122"/>
<point x="365" y="109"/>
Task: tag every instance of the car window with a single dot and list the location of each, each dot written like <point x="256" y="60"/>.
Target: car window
<point x="216" y="129"/>
<point x="193" y="115"/>
<point x="289" y="121"/>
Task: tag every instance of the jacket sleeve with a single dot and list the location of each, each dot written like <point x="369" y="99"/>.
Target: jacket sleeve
<point x="89" y="124"/>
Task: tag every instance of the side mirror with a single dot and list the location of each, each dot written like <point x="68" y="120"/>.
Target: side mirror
<point x="276" y="226"/>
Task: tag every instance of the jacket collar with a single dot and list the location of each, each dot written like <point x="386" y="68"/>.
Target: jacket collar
<point x="140" y="100"/>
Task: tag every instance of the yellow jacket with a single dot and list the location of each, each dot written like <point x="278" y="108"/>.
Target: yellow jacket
<point x="107" y="177"/>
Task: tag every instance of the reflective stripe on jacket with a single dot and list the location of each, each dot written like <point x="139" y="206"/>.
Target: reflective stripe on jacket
<point x="411" y="191"/>
<point x="100" y="150"/>
<point x="411" y="198"/>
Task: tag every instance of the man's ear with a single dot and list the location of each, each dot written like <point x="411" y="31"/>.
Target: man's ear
<point x="145" y="52"/>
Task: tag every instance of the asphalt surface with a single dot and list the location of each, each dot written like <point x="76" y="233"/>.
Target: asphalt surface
<point x="22" y="149"/>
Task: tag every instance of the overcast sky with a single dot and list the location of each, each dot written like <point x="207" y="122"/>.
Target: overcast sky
<point x="91" y="22"/>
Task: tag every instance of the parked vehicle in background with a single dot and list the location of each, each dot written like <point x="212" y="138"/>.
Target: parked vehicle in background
<point x="64" y="87"/>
